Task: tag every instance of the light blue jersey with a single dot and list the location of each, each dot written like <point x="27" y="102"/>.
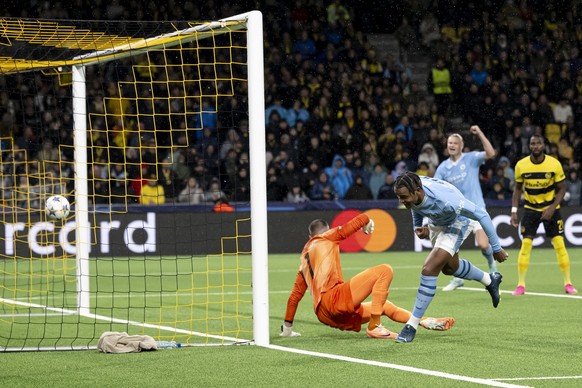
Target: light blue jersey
<point x="443" y="204"/>
<point x="464" y="175"/>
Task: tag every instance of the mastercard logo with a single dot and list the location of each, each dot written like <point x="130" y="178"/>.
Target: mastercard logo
<point x="381" y="240"/>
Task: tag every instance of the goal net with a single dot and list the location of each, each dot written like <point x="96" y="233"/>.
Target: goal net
<point x="145" y="128"/>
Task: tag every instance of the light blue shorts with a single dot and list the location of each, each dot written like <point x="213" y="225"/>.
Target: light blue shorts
<point x="450" y="237"/>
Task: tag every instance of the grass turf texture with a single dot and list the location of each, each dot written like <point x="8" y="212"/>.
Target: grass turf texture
<point x="533" y="337"/>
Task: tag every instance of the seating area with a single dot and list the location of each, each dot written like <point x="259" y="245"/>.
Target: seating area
<point x="335" y="102"/>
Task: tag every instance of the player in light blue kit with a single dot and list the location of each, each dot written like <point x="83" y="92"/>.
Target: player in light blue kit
<point x="449" y="216"/>
<point x="461" y="170"/>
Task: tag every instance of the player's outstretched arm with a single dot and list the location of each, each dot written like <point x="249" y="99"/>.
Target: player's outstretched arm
<point x="297" y="293"/>
<point x="487" y="146"/>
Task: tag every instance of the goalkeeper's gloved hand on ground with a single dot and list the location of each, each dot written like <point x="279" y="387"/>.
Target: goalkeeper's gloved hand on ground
<point x="369" y="227"/>
<point x="287" y="331"/>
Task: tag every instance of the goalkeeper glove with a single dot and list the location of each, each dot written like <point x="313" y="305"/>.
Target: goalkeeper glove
<point x="287" y="331"/>
<point x="369" y="227"/>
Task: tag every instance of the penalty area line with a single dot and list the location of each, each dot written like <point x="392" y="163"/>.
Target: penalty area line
<point x="404" y="368"/>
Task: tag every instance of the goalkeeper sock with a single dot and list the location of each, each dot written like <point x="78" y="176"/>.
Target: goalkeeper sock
<point x="374" y="321"/>
<point x="395" y="313"/>
<point x="563" y="258"/>
<point x="383" y="274"/>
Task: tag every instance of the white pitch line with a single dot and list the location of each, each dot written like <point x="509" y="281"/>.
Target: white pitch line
<point x="117" y="320"/>
<point x="405" y="368"/>
<point x="567" y="296"/>
<point x="539" y="378"/>
<point x="170" y="294"/>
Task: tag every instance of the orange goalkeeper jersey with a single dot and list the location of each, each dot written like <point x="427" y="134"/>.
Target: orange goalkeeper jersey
<point x="320" y="268"/>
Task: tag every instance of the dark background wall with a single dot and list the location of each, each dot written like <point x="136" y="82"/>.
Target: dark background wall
<point x="185" y="233"/>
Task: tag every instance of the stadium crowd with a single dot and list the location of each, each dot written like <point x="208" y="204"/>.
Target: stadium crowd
<point x="344" y="119"/>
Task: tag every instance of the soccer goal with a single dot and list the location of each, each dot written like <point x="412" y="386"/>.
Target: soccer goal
<point x="107" y="113"/>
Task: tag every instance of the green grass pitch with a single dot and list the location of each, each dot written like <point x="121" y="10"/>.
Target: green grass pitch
<point x="533" y="340"/>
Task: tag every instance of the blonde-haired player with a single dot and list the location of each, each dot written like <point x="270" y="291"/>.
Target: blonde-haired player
<point x="461" y="170"/>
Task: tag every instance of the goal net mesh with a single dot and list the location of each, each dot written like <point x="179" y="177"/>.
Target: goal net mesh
<point x="162" y="100"/>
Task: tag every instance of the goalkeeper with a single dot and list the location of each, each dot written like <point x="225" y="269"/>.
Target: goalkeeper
<point x="340" y="304"/>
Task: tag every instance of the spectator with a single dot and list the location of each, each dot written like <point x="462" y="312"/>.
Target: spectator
<point x="358" y="168"/>
<point x="120" y="190"/>
<point x="297" y="113"/>
<point x="290" y="175"/>
<point x="508" y="172"/>
<point x="573" y="188"/>
<point x="406" y="129"/>
<point x="497" y="192"/>
<point x="305" y="46"/>
<point x="439" y="81"/>
<point x="500" y="178"/>
<point x="181" y="169"/>
<point x="232" y="137"/>
<point x="386" y="191"/>
<point x="276" y="190"/>
<point x="399" y="169"/>
<point x="340" y="176"/>
<point x="322" y="189"/>
<point x="429" y="30"/>
<point x="296" y="194"/>
<point x="310" y="175"/>
<point x="478" y="74"/>
<point x="229" y="170"/>
<point x="211" y="160"/>
<point x="337" y="13"/>
<point x="152" y="193"/>
<point x="213" y="193"/>
<point x="562" y="111"/>
<point x="406" y="36"/>
<point x="192" y="194"/>
<point x="429" y="156"/>
<point x="377" y="179"/>
<point x="242" y="190"/>
<point x="423" y="169"/>
<point x="359" y="190"/>
<point x="48" y="156"/>
<point x="169" y="180"/>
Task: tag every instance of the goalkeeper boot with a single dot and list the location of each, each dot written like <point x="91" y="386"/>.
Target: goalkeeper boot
<point x="439" y="324"/>
<point x="493" y="288"/>
<point x="380" y="332"/>
<point x="407" y="334"/>
<point x="569" y="289"/>
<point x="454" y="284"/>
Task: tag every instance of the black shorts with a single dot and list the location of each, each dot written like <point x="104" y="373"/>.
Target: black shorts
<point x="531" y="221"/>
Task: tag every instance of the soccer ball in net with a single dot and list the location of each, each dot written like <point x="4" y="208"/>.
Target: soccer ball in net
<point x="57" y="207"/>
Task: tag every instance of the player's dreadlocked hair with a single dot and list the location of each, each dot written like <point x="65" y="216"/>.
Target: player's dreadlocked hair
<point x="409" y="181"/>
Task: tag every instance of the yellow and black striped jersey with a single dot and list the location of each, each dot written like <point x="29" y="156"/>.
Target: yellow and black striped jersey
<point x="539" y="181"/>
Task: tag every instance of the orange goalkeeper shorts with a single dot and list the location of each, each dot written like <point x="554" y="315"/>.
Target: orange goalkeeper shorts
<point x="336" y="309"/>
